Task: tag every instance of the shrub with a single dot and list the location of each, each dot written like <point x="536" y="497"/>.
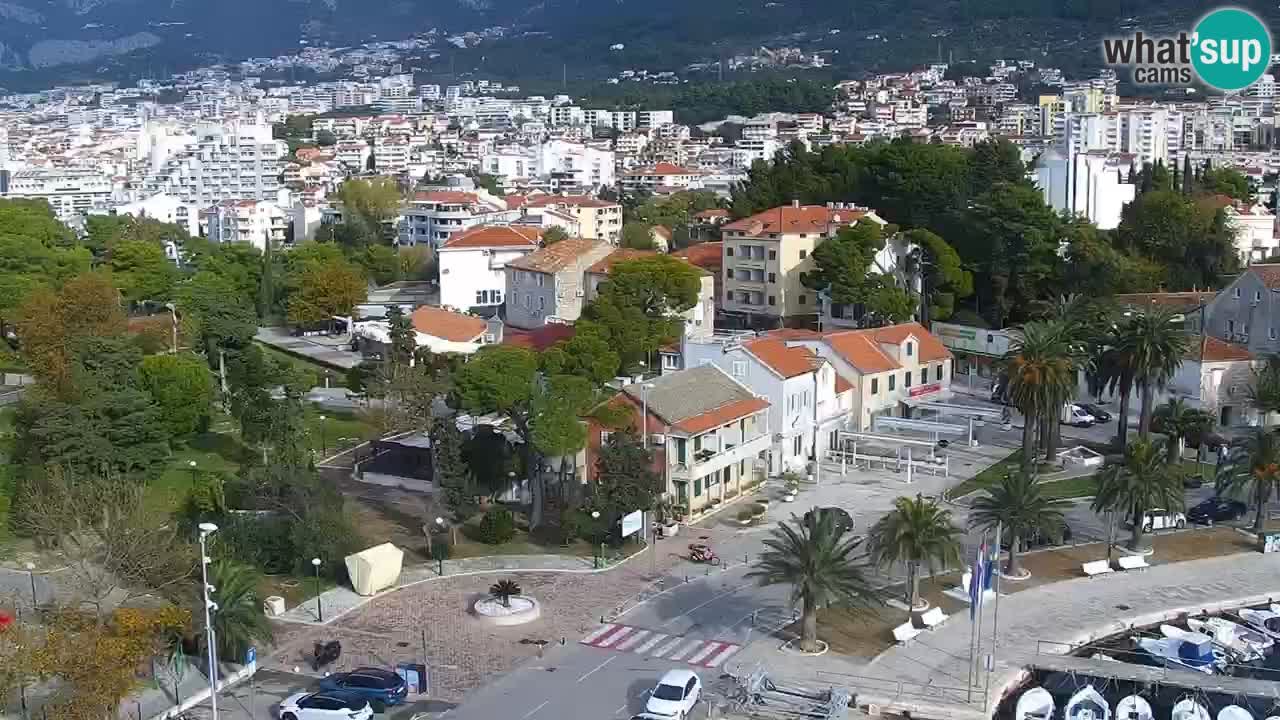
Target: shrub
<point x="497" y="526"/>
<point x="745" y="515"/>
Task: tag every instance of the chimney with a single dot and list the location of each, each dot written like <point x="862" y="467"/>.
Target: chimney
<point x="795" y="203"/>
<point x="831" y="206"/>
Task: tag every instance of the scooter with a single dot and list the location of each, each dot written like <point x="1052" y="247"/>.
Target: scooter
<point x="700" y="553"/>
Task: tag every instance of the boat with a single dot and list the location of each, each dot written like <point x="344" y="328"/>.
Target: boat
<point x="1134" y="707"/>
<point x="1088" y="704"/>
<point x="1174" y="652"/>
<point x="1234" y="712"/>
<point x="1220" y="653"/>
<point x="1246" y="642"/>
<point x="1188" y="709"/>
<point x="1265" y="621"/>
<point x="1034" y="704"/>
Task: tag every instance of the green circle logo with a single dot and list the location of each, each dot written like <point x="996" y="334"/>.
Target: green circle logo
<point x="1231" y="48"/>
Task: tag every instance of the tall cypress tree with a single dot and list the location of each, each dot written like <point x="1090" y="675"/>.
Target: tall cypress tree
<point x="1188" y="175"/>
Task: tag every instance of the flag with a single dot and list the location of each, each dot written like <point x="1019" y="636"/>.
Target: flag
<point x="978" y="581"/>
<point x="993" y="562"/>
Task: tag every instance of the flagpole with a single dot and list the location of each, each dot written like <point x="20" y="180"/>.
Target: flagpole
<point x="977" y="579"/>
<point x="995" y="620"/>
<point x="982" y="593"/>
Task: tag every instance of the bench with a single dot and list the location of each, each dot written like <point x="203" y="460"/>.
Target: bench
<point x="905" y="632"/>
<point x="1097" y="567"/>
<point x="933" y="618"/>
<point x="1132" y="562"/>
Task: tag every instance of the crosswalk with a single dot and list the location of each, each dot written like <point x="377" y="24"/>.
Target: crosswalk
<point x="661" y="646"/>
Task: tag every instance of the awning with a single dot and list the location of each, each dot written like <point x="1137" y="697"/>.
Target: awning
<point x="932" y="393"/>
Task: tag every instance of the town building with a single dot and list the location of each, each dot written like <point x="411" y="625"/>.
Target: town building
<point x="663" y="175"/>
<point x="1247" y="311"/>
<point x="236" y="161"/>
<point x="548" y="286"/>
<point x="435" y="329"/>
<point x="432" y="217"/>
<point x="70" y="193"/>
<point x="473" y="265"/>
<point x="1092" y="184"/>
<point x="250" y="222"/>
<point x="597" y="219"/>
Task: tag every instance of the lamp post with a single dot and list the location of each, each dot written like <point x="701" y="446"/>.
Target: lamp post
<point x="443" y="550"/>
<point x="192" y="465"/>
<point x="595" y="560"/>
<point x="644" y="412"/>
<point x="210" y="607"/>
<point x="31" y="573"/>
<point x="315" y="563"/>
<point x="323" y="447"/>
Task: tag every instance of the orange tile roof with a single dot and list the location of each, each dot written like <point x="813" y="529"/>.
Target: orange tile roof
<point x="1268" y="274"/>
<point x="1211" y="349"/>
<point x="721" y="415"/>
<point x="446" y="324"/>
<point x="556" y="257"/>
<point x="605" y="264"/>
<point x="1177" y="300"/>
<point x="489" y="236"/>
<point x="931" y="348"/>
<point x="793" y="219"/>
<point x="538" y="339"/>
<point x="705" y="255"/>
<point x="786" y="361"/>
<point x="842" y="384"/>
<point x="860" y="351"/>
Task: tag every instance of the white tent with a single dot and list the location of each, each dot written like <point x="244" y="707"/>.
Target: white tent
<point x="374" y="569"/>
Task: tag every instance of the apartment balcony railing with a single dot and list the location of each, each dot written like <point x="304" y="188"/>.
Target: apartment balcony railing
<point x="706" y="461"/>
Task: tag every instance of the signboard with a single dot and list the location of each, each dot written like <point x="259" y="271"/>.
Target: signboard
<point x="251" y="660"/>
<point x="919" y="390"/>
<point x="632" y="522"/>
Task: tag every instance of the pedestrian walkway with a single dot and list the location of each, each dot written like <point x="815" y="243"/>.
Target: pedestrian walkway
<point x="661" y="646"/>
<point x="336" y="602"/>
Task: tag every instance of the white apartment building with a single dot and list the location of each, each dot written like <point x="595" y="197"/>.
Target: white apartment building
<point x="473" y="264"/>
<point x="354" y="154"/>
<point x="166" y="209"/>
<point x="575" y="166"/>
<point x="219" y="162"/>
<point x="249" y="222"/>
<point x="661" y="175"/>
<point x="431" y="218"/>
<point x="1255" y="231"/>
<point x="1091" y="184"/>
<point x="759" y="141"/>
<point x="391" y="155"/>
<point x="1144" y="132"/>
<point x="70" y="192"/>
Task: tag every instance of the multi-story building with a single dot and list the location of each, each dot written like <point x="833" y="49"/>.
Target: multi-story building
<point x="166" y="209"/>
<point x="1093" y="184"/>
<point x="1247" y="312"/>
<point x="246" y="221"/>
<point x="766" y="254"/>
<point x="391" y="155"/>
<point x="1255" y="230"/>
<point x="70" y="193"/>
<point x="706" y="430"/>
<point x="548" y="286"/>
<point x="220" y="162"/>
<point x="662" y="175"/>
<point x="597" y="219"/>
<point x="432" y="217"/>
<point x="473" y="264"/>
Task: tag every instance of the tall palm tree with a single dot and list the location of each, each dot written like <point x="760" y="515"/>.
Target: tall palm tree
<point x="1144" y="481"/>
<point x="1019" y="507"/>
<point x="1253" y="470"/>
<point x="1179" y="421"/>
<point x="239" y="622"/>
<point x="1041" y="370"/>
<point x="919" y="533"/>
<point x="1116" y="374"/>
<point x="816" y="557"/>
<point x="1151" y="344"/>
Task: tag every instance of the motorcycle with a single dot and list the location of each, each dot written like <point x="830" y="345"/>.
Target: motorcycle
<point x="700" y="553"/>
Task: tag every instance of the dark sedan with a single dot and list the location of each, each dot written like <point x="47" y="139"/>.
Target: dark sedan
<point x="380" y="687"/>
<point x="1099" y="415"/>
<point x="1217" y="510"/>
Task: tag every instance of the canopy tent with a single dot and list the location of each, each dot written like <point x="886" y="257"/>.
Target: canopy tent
<point x="374" y="569"/>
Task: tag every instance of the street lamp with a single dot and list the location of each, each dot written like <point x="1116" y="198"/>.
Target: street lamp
<point x="315" y="562"/>
<point x="192" y="465"/>
<point x="31" y="573"/>
<point x="440" y="556"/>
<point x="644" y="412"/>
<point x="595" y="560"/>
<point x="207" y="529"/>
<point x="323" y="448"/>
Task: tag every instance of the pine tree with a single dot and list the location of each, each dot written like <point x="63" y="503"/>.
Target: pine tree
<point x="403" y="340"/>
<point x="450" y="470"/>
<point x="1188" y="175"/>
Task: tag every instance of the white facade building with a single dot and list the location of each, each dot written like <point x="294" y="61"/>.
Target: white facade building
<point x="166" y="209"/>
<point x="247" y="221"/>
<point x="431" y="218"/>
<point x="220" y="162"/>
<point x="1091" y="184"/>
<point x="473" y="264"/>
<point x="71" y="193"/>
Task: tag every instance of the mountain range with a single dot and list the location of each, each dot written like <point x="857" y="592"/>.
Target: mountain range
<point x="61" y="40"/>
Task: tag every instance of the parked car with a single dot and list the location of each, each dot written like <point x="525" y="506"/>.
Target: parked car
<point x="1076" y="416"/>
<point x="1161" y="519"/>
<point x="1099" y="415"/>
<point x="843" y="520"/>
<point x="675" y="695"/>
<point x="325" y="705"/>
<point x="379" y="686"/>
<point x="1039" y="540"/>
<point x="1212" y="440"/>
<point x="1217" y="509"/>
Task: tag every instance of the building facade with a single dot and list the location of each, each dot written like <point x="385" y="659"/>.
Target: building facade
<point x="473" y="265"/>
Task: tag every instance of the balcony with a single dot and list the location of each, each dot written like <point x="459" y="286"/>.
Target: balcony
<point x="706" y="461"/>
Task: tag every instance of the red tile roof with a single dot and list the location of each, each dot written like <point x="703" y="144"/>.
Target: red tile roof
<point x="605" y="264"/>
<point x="491" y="236"/>
<point x="556" y="257"/>
<point x="930" y="347"/>
<point x="1211" y="349"/>
<point x="801" y="219"/>
<point x="446" y="324"/>
<point x="721" y="415"/>
<point x="538" y="339"/>
<point x="842" y="384"/>
<point x="1268" y="275"/>
<point x="862" y="348"/>
<point x="785" y="361"/>
<point x="705" y="255"/>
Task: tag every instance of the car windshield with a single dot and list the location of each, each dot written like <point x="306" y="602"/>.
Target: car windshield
<point x="668" y="692"/>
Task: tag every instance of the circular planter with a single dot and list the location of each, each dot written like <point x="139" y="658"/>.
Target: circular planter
<point x="491" y="611"/>
<point x="792" y="647"/>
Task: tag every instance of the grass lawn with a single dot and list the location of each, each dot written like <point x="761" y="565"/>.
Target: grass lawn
<point x="6" y="440"/>
<point x="987" y="477"/>
<point x="338" y="431"/>
<point x="213" y="451"/>
<point x="337" y="376"/>
<point x="1078" y="487"/>
<point x="290" y="587"/>
<point x="521" y="544"/>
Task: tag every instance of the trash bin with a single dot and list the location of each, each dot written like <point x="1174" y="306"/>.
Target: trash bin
<point x="273" y="606"/>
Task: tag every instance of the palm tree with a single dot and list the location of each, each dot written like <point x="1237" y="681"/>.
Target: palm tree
<point x="239" y="623"/>
<point x="816" y="557"/>
<point x="1253" y="470"/>
<point x="1179" y="421"/>
<point x="1041" y="370"/>
<point x="1018" y="507"/>
<point x="1116" y="375"/>
<point x="1151" y="344"/>
<point x="1144" y="481"/>
<point x="504" y="590"/>
<point x="917" y="532"/>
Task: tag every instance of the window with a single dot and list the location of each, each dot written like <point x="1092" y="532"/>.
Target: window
<point x="804" y="254"/>
<point x="906" y="379"/>
<point x="739" y="368"/>
<point x="803" y="299"/>
<point x="670" y="362"/>
<point x="910" y="349"/>
<point x="892" y="378"/>
<point x="875" y="386"/>
<point x="773" y="254"/>
<point x="773" y="300"/>
<point x="713" y="479"/>
<point x="924" y="375"/>
<point x="1231" y="326"/>
<point x="1235" y="293"/>
<point x="542" y="303"/>
<point x="773" y="277"/>
<point x="799" y="445"/>
<point x="605" y="435"/>
<point x="728" y="251"/>
<point x="482" y="296"/>
<point x="1257" y="295"/>
<point x="729" y="273"/>
<point x="528" y="301"/>
<point x="697" y="487"/>
<point x="1271" y="333"/>
<point x="939" y="373"/>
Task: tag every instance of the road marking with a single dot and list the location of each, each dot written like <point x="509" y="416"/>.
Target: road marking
<point x="685" y="650"/>
<point x="593" y="670"/>
<point x="598" y="633"/>
<point x="613" y="636"/>
<point x="651" y="642"/>
<point x="668" y="647"/>
<point x="704" y="653"/>
<point x="633" y="640"/>
<point x="531" y="712"/>
<point x="722" y="655"/>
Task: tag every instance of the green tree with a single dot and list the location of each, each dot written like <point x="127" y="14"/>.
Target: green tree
<point x="1152" y="343"/>
<point x="1018" y="506"/>
<point x="641" y="306"/>
<point x="918" y="533"/>
<point x="374" y="200"/>
<point x="944" y="278"/>
<point x="637" y="236"/>
<point x="1253" y="471"/>
<point x="403" y="338"/>
<point x="558" y="430"/>
<point x="818" y="559"/>
<point x="182" y="388"/>
<point x="1186" y="236"/>
<point x="239" y="623"/>
<point x="553" y="235"/>
<point x="51" y="324"/>
<point x="1264" y="392"/>
<point x="843" y="267"/>
<point x="1226" y="181"/>
<point x="1041" y="377"/>
<point x="1180" y="421"/>
<point x="587" y="354"/>
<point x="625" y="478"/>
<point x="220" y="319"/>
<point x="141" y="270"/>
<point x="326" y="290"/>
<point x="450" y="468"/>
<point x="1145" y="480"/>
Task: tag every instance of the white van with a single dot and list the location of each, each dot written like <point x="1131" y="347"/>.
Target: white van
<point x="1076" y="416"/>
